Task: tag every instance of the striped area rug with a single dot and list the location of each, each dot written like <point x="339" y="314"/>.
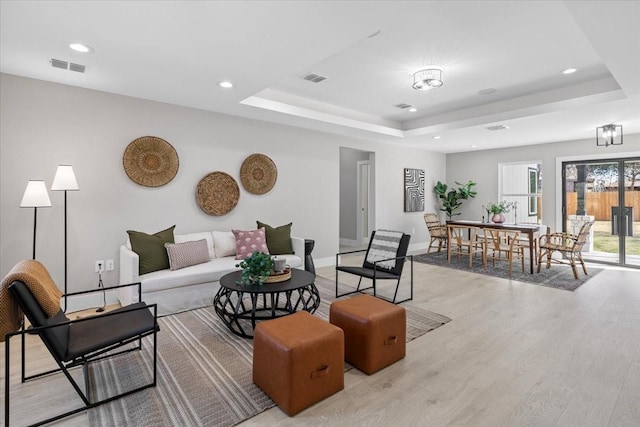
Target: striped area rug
<point x="204" y="372"/>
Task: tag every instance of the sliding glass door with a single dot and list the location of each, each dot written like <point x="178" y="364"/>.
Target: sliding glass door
<point x="608" y="193"/>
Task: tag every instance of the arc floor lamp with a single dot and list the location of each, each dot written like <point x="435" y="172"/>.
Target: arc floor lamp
<point x="35" y="196"/>
<point x="65" y="180"/>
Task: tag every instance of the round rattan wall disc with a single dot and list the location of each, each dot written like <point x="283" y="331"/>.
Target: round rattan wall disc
<point x="150" y="161"/>
<point x="258" y="174"/>
<point x="217" y="193"/>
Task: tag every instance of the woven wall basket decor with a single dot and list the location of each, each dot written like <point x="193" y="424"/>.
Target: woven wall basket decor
<point x="150" y="161"/>
<point x="258" y="174"/>
<point x="217" y="193"/>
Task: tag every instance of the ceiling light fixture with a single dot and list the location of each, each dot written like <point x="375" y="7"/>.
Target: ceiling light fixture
<point x="413" y="109"/>
<point x="428" y="78"/>
<point x="437" y="137"/>
<point x="607" y="135"/>
<point x="225" y="84"/>
<point x="569" y="71"/>
<point x="81" y="47"/>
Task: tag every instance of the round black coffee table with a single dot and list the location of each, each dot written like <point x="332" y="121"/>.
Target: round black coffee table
<point x="241" y="306"/>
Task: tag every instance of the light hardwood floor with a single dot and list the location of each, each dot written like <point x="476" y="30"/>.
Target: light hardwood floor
<point x="515" y="354"/>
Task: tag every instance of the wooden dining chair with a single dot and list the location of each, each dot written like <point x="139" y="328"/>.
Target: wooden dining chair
<point x="437" y="231"/>
<point x="502" y="245"/>
<point x="463" y="241"/>
<point x="568" y="245"/>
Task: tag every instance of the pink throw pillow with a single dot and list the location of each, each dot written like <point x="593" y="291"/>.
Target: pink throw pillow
<point x="248" y="241"/>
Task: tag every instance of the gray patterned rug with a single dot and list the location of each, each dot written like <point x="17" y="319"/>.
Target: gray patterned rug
<point x="204" y="372"/>
<point x="558" y="276"/>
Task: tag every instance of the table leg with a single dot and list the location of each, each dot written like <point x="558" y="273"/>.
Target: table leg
<point x="530" y="233"/>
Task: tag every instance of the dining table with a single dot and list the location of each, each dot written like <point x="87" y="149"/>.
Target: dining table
<point x="528" y="229"/>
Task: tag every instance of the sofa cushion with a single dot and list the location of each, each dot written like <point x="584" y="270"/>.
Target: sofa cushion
<point x="207" y="272"/>
<point x="224" y="243"/>
<point x="191" y="237"/>
<point x="185" y="254"/>
<point x="150" y="248"/>
<point x="249" y="241"/>
<point x="278" y="238"/>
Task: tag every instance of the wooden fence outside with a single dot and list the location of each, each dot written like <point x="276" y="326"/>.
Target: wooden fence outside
<point x="599" y="204"/>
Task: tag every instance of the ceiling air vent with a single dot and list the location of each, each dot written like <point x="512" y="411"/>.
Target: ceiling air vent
<point x="77" y="67"/>
<point x="64" y="65"/>
<point x="403" y="106"/>
<point x="498" y="127"/>
<point x="314" y="78"/>
<point x="56" y="63"/>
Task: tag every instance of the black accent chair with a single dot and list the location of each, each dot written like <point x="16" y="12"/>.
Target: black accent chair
<point x="79" y="342"/>
<point x="375" y="272"/>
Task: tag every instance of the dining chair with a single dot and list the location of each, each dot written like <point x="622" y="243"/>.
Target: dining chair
<point x="437" y="231"/>
<point x="524" y="240"/>
<point x="463" y="241"/>
<point x="502" y="245"/>
<point x="568" y="245"/>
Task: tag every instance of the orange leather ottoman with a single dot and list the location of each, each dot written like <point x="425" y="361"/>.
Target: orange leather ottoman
<point x="375" y="331"/>
<point x="298" y="360"/>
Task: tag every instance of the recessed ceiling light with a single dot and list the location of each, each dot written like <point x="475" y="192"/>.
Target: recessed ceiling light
<point x="437" y="137"/>
<point x="413" y="109"/>
<point x="80" y="47"/>
<point x="569" y="71"/>
<point x="473" y="146"/>
<point x="225" y="84"/>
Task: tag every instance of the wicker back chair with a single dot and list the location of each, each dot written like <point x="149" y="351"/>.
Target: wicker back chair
<point x="568" y="245"/>
<point x="437" y="231"/>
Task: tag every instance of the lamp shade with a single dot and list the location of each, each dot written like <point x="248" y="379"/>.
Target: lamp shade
<point x="35" y="196"/>
<point x="65" y="179"/>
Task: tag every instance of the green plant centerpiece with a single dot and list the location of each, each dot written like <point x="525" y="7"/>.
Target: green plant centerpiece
<point x="498" y="209"/>
<point x="451" y="199"/>
<point x="255" y="268"/>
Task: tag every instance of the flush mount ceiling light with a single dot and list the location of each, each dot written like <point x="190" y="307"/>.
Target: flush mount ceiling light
<point x="81" y="47"/>
<point x="428" y="78"/>
<point x="413" y="109"/>
<point x="226" y="84"/>
<point x="569" y="71"/>
<point x="607" y="135"/>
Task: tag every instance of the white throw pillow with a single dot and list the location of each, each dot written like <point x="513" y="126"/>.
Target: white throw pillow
<point x="185" y="254"/>
<point x="192" y="237"/>
<point x="224" y="243"/>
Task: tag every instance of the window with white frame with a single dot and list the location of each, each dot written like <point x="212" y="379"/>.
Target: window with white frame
<point x="522" y="183"/>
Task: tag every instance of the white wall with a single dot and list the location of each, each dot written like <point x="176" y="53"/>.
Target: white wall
<point x="482" y="168"/>
<point x="44" y="124"/>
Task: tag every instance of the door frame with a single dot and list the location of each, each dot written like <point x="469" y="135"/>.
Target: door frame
<point x="620" y="159"/>
<point x="362" y="239"/>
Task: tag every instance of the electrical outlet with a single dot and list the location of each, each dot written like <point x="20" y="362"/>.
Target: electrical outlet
<point x="109" y="265"/>
<point x="100" y="266"/>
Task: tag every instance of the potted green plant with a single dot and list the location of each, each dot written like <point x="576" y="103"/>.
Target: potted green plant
<point x="255" y="268"/>
<point x="452" y="199"/>
<point x="498" y="209"/>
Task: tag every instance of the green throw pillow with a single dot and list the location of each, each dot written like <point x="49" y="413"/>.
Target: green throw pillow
<point x="150" y="248"/>
<point x="278" y="239"/>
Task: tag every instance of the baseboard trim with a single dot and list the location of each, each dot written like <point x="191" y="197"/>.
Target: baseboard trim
<point x="87" y="301"/>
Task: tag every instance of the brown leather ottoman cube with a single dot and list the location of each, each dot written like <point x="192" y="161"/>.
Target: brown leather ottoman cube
<point x="375" y="331"/>
<point x="298" y="360"/>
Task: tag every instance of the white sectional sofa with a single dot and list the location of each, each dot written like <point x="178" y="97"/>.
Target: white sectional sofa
<point x="189" y="287"/>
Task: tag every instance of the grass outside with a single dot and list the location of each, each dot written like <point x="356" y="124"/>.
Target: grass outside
<point x="603" y="241"/>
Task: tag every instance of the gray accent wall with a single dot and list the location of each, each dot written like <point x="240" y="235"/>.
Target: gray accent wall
<point x="45" y="124"/>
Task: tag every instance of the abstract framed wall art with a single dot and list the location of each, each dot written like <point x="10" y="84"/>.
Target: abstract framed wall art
<point x="413" y="190"/>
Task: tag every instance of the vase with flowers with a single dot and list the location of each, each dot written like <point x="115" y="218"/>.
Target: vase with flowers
<point x="498" y="209"/>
